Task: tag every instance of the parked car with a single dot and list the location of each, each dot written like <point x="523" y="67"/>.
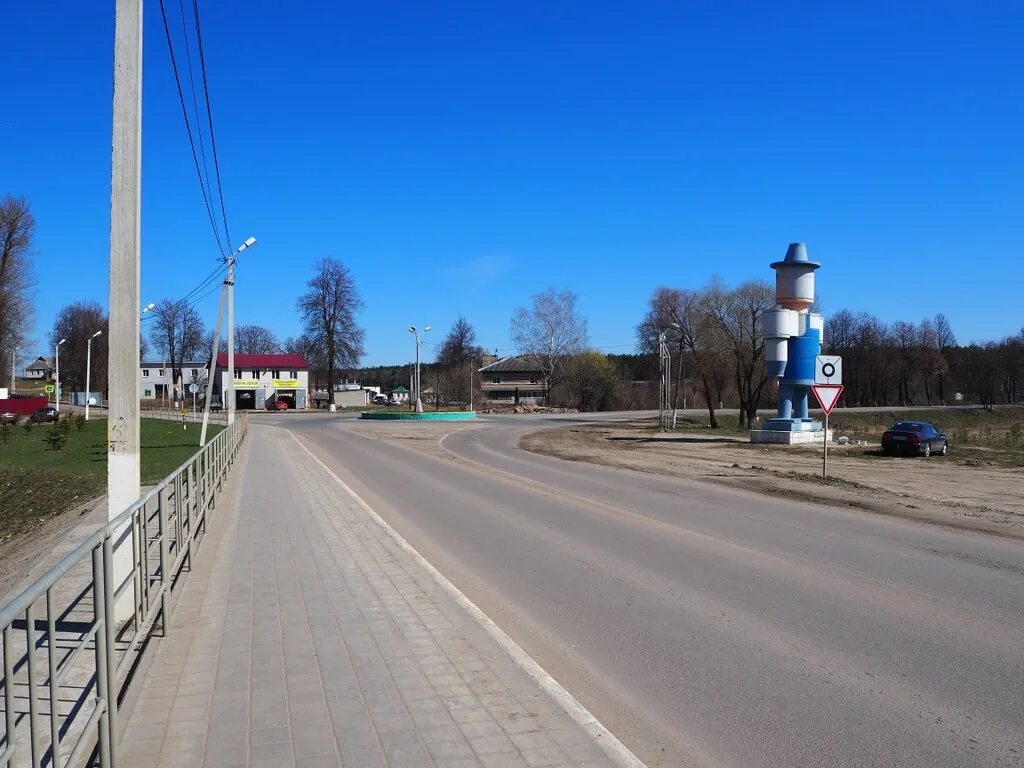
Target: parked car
<point x="8" y="417"/>
<point x="215" y="405"/>
<point x="46" y="413"/>
<point x="277" y="405"/>
<point x="914" y="437"/>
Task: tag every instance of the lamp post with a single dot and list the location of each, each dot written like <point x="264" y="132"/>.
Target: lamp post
<point x="56" y="374"/>
<point x="88" y="370"/>
<point x="148" y="308"/>
<point x="419" y="341"/>
<point x="230" y="282"/>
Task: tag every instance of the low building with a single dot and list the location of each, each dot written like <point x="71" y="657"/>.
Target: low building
<point x="259" y="380"/>
<point x="41" y="369"/>
<point x="156" y="380"/>
<point x="351" y="396"/>
<point x="513" y="380"/>
<point x="400" y="394"/>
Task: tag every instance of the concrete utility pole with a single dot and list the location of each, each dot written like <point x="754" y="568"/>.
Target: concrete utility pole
<point x="230" y="283"/>
<point x="123" y="473"/>
<point x="56" y="374"/>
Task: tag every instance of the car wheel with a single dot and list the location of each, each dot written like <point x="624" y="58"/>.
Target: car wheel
<point x="927" y="450"/>
<point x="945" y="449"/>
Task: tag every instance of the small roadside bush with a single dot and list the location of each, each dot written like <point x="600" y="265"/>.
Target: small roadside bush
<point x="56" y="437"/>
<point x="28" y="426"/>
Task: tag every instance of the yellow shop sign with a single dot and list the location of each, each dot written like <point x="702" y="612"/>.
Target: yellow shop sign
<point x="247" y="384"/>
<point x="285" y="383"/>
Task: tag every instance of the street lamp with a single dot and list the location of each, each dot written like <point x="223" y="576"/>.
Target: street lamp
<point x="230" y="282"/>
<point x="413" y="331"/>
<point x="149" y="308"/>
<point x="88" y="370"/>
<point x="56" y="366"/>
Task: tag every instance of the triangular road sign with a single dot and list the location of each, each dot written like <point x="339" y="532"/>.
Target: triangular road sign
<point x="828" y="395"/>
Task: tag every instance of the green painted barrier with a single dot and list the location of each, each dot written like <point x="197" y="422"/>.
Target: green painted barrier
<point x="408" y="416"/>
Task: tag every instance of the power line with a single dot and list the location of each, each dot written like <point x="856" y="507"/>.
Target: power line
<point x="192" y="86"/>
<point x="209" y="115"/>
<point x="188" y="128"/>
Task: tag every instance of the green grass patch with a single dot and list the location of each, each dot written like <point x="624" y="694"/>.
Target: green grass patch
<point x="37" y="482"/>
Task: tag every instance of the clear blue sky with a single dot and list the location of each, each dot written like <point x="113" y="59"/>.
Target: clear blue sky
<point x="459" y="157"/>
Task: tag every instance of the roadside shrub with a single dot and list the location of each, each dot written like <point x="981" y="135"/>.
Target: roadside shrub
<point x="1014" y="435"/>
<point x="56" y="437"/>
<point x="79" y="420"/>
<point x="5" y="431"/>
<point x="27" y="426"/>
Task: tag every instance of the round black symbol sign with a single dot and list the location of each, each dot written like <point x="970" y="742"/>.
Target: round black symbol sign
<point x="828" y="370"/>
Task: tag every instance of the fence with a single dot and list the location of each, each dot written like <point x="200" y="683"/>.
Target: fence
<point x="71" y="641"/>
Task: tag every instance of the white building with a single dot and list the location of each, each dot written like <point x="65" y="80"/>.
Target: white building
<point x="155" y="381"/>
<point x="262" y="379"/>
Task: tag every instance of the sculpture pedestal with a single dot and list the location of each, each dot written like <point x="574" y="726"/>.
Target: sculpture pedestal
<point x="789" y="436"/>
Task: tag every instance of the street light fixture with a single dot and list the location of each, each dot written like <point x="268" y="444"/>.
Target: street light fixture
<point x="88" y="370"/>
<point x="419" y="342"/>
<point x="230" y="282"/>
<point x="56" y="374"/>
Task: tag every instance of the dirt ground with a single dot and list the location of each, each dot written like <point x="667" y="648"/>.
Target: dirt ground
<point x="938" y="490"/>
<point x="30" y="554"/>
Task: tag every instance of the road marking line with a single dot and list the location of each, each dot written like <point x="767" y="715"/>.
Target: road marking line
<point x="614" y="748"/>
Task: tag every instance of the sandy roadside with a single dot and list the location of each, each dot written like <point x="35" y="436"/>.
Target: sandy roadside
<point x="937" y="490"/>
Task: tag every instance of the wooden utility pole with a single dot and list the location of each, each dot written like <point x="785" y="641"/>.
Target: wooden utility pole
<point x="123" y="474"/>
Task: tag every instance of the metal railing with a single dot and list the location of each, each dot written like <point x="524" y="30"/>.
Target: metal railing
<point x="73" y="638"/>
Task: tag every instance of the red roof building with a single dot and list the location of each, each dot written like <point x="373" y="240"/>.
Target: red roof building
<point x="296" y="362"/>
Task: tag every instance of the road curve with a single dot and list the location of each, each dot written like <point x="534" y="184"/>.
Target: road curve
<point x="705" y="625"/>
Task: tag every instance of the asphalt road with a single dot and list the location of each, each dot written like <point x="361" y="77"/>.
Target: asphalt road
<point x="705" y="625"/>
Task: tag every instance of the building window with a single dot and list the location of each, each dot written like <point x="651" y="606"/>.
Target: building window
<point x="145" y="373"/>
<point x="293" y="374"/>
<point x="255" y="373"/>
<point x="276" y="374"/>
<point x="161" y="371"/>
<point x="195" y="373"/>
<point x="495" y="379"/>
<point x="148" y="393"/>
<point x="238" y="373"/>
<point x="533" y="378"/>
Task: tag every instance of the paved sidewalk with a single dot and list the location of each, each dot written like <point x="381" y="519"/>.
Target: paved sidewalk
<point x="307" y="636"/>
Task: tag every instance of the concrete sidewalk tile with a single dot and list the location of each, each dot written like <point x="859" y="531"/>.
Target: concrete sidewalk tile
<point x="306" y="637"/>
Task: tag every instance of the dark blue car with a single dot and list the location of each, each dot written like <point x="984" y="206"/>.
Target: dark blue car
<point x="914" y="438"/>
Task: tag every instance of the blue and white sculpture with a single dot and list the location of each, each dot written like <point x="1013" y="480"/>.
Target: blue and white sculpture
<point x="792" y="339"/>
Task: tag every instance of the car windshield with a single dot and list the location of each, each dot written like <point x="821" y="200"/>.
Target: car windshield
<point x="908" y="426"/>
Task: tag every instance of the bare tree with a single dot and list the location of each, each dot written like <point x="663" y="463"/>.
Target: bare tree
<point x="550" y="332"/>
<point x="689" y="330"/>
<point x="328" y="311"/>
<point x="255" y="340"/>
<point x="945" y="340"/>
<point x="178" y="331"/>
<point x="591" y="381"/>
<point x="17" y="229"/>
<point x="457" y="360"/>
<point x="738" y="316"/>
<point x="76" y="323"/>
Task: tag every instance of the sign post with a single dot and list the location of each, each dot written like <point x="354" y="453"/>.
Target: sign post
<point x="193" y="388"/>
<point x="828" y="396"/>
<point x="828" y="386"/>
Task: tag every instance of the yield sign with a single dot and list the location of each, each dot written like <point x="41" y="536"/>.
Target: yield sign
<point x="828" y="395"/>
